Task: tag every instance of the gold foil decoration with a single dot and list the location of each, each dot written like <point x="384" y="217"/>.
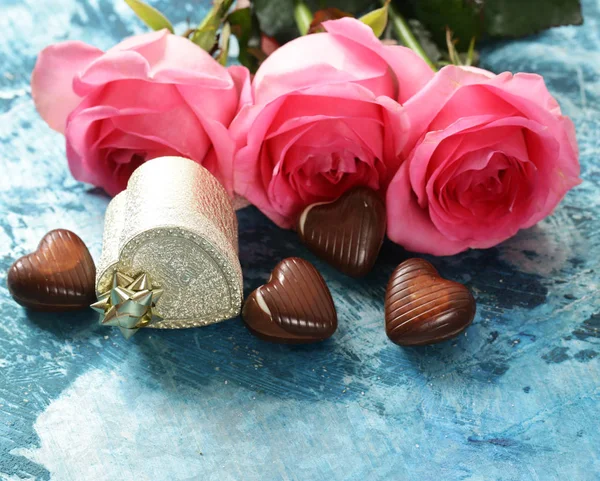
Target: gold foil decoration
<point x="130" y="304"/>
<point x="174" y="223"/>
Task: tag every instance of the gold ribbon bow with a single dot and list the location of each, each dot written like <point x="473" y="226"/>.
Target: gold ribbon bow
<point x="129" y="304"/>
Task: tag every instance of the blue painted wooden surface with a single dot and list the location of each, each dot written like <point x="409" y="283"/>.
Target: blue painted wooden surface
<point x="517" y="397"/>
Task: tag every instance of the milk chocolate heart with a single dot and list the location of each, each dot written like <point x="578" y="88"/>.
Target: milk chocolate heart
<point x="294" y="307"/>
<point x="348" y="232"/>
<point x="423" y="308"/>
<point x="58" y="276"/>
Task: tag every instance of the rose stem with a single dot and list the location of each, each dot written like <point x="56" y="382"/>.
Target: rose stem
<point x="406" y="36"/>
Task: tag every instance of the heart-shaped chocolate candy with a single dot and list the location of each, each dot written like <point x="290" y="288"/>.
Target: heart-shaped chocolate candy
<point x="58" y="276"/>
<point x="423" y="308"/>
<point x="294" y="307"/>
<point x="348" y="232"/>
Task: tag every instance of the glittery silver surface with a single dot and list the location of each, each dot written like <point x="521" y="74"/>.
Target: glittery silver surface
<point x="176" y="223"/>
<point x="114" y="219"/>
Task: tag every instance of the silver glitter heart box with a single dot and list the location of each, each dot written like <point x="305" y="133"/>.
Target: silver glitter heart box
<point x="175" y="223"/>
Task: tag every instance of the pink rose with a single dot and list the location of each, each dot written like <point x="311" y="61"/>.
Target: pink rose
<point x="151" y="95"/>
<point x="493" y="155"/>
<point x="324" y="119"/>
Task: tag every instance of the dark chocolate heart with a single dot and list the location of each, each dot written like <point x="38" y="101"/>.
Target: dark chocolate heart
<point x="58" y="276"/>
<point x="423" y="308"/>
<point x="294" y="307"/>
<point x="348" y="232"/>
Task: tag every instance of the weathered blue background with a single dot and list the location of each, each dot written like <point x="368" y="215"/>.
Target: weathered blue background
<point x="517" y="397"/>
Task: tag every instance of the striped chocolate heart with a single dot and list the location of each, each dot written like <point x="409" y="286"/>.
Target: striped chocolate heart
<point x="294" y="307"/>
<point x="348" y="232"/>
<point x="58" y="276"/>
<point x="423" y="308"/>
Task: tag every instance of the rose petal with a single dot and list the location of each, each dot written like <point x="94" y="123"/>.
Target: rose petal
<point x="110" y="67"/>
<point x="461" y="105"/>
<point x="160" y="57"/>
<point x="409" y="225"/>
<point x="170" y="128"/>
<point x="329" y="185"/>
<point x="302" y="108"/>
<point x="117" y="139"/>
<point x="163" y="128"/>
<point x="154" y="111"/>
<point x="507" y="139"/>
<point x="411" y="71"/>
<point x="184" y="62"/>
<point x="241" y="79"/>
<point x="52" y="80"/>
<point x="475" y="231"/>
<point x="78" y="136"/>
<point x="132" y="94"/>
<point x="139" y="43"/>
<point x="526" y="92"/>
<point x="318" y="60"/>
<point x="223" y="148"/>
<point x="420" y="157"/>
<point x="559" y="128"/>
<point x="423" y="107"/>
<point x="348" y="52"/>
<point x="530" y="87"/>
<point x="458" y="222"/>
<point x="248" y="130"/>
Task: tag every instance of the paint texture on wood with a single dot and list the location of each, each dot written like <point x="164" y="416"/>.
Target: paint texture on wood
<point x="514" y="398"/>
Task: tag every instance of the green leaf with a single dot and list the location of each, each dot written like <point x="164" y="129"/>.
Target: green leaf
<point x="150" y="15"/>
<point x="277" y="16"/>
<point x="423" y="37"/>
<point x="464" y="17"/>
<point x="224" y="44"/>
<point x="205" y="35"/>
<point x="244" y="25"/>
<point x="467" y="19"/>
<point x="471" y="54"/>
<point x="405" y="34"/>
<point x="470" y="19"/>
<point x="516" y="18"/>
<point x="377" y="19"/>
<point x="303" y="17"/>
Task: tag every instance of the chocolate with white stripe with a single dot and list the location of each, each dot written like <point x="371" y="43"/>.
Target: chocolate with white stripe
<point x="348" y="232"/>
<point x="294" y="307"/>
<point x="423" y="308"/>
<point x="58" y="276"/>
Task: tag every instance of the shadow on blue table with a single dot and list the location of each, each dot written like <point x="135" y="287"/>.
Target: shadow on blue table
<point x="60" y="324"/>
<point x="359" y="351"/>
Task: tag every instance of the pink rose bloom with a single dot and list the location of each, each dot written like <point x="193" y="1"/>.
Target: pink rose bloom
<point x="493" y="155"/>
<point x="324" y="119"/>
<point x="151" y="95"/>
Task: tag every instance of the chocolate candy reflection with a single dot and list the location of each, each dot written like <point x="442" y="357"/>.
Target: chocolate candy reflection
<point x="347" y="233"/>
<point x="423" y="308"/>
<point x="58" y="276"/>
<point x="294" y="307"/>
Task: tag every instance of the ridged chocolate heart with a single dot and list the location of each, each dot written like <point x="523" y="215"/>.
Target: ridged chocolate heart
<point x="294" y="307"/>
<point x="423" y="308"/>
<point x="348" y="232"/>
<point x="58" y="276"/>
